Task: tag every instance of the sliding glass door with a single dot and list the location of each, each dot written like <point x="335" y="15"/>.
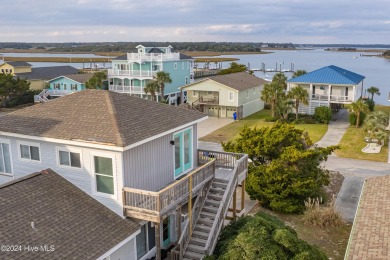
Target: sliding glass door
<point x="183" y="152"/>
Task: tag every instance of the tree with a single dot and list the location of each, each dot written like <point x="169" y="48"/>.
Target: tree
<point x="299" y="73"/>
<point x="373" y="90"/>
<point x="375" y="124"/>
<point x="97" y="81"/>
<point x="300" y="95"/>
<point x="152" y="87"/>
<point x="274" y="91"/>
<point x="11" y="87"/>
<point x="357" y="108"/>
<point x="285" y="168"/>
<point x="162" y="78"/>
<point x="234" y="67"/>
<point x="263" y="236"/>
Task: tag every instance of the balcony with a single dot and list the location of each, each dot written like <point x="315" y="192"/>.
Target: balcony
<point x="141" y="57"/>
<point x="154" y="206"/>
<point x="332" y="98"/>
<point x="132" y="73"/>
<point x="127" y="89"/>
<point x="209" y="100"/>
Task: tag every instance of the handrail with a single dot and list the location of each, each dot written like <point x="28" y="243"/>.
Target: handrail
<point x="159" y="203"/>
<point x="222" y="210"/>
<point x="179" y="250"/>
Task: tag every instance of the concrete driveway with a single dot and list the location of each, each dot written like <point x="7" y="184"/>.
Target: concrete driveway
<point x="211" y="124"/>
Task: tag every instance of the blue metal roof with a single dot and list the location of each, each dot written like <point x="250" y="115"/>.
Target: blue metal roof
<point x="330" y="75"/>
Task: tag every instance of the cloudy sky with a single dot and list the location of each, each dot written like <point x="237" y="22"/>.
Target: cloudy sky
<point x="296" y="21"/>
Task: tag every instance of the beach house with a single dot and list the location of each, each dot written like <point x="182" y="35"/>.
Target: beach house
<point x="137" y="157"/>
<point x="328" y="86"/>
<point x="131" y="72"/>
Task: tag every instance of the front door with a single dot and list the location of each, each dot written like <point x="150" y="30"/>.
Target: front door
<point x="183" y="152"/>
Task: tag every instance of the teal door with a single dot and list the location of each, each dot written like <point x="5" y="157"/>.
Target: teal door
<point x="183" y="152"/>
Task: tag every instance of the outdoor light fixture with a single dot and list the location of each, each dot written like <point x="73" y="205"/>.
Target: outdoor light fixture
<point x="172" y="142"/>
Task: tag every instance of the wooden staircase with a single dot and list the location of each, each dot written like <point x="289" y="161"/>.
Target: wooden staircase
<point x="42" y="97"/>
<point x="204" y="224"/>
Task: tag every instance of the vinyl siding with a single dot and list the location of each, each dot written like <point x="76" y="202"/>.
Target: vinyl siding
<point x="151" y="166"/>
<point x="82" y="178"/>
<point x="250" y="100"/>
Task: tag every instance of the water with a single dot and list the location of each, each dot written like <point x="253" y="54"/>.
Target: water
<point x="375" y="69"/>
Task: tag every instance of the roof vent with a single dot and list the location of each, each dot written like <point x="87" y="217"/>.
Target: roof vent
<point x="33" y="224"/>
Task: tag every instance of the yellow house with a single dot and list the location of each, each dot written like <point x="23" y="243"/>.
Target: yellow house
<point x="15" y="67"/>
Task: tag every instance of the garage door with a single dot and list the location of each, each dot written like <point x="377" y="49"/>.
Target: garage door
<point x="213" y="111"/>
<point x="230" y="111"/>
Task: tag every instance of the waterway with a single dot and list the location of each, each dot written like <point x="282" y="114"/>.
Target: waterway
<point x="375" y="69"/>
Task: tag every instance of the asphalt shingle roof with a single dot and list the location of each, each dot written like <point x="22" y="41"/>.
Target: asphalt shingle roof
<point x="123" y="57"/>
<point x="47" y="73"/>
<point x="370" y="234"/>
<point x="330" y="75"/>
<point x="185" y="57"/>
<point x="19" y="63"/>
<point x="81" y="78"/>
<point x="239" y="80"/>
<point x="98" y="116"/>
<point x="78" y="226"/>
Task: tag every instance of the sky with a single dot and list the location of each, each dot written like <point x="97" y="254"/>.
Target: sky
<point x="295" y="21"/>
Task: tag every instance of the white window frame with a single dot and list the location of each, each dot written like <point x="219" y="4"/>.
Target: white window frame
<point x="231" y="96"/>
<point x="195" y="93"/>
<point x="175" y="65"/>
<point x="19" y="143"/>
<point x="182" y="155"/>
<point x="6" y="141"/>
<point x="94" y="186"/>
<point x="69" y="150"/>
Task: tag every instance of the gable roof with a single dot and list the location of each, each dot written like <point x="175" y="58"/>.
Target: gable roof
<point x="47" y="73"/>
<point x="123" y="57"/>
<point x="78" y="226"/>
<point x="80" y="78"/>
<point x="368" y="239"/>
<point x="18" y="63"/>
<point x="155" y="50"/>
<point x="100" y="117"/>
<point x="239" y="80"/>
<point x="330" y="75"/>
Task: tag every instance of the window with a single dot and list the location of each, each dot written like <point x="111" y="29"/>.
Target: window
<point x="195" y="93"/>
<point x="64" y="86"/>
<point x="188" y="64"/>
<point x="186" y="80"/>
<point x="231" y="96"/>
<point x="104" y="175"/>
<point x="73" y="86"/>
<point x="182" y="65"/>
<point x="67" y="158"/>
<point x="175" y="65"/>
<point x="30" y="152"/>
<point x="5" y="158"/>
<point x="56" y="85"/>
<point x="209" y="92"/>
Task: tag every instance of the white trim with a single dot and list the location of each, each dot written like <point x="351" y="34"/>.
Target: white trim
<point x="114" y="173"/>
<point x="230" y="99"/>
<point x="100" y="146"/>
<point x="7" y="141"/>
<point x="69" y="150"/>
<point x="115" y="248"/>
<point x="19" y="143"/>
<point x="195" y="93"/>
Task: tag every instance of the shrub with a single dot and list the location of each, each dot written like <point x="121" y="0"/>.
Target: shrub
<point x="262" y="236"/>
<point x="323" y="114"/>
<point x="325" y="216"/>
<point x="370" y="103"/>
<point x="352" y="118"/>
<point x="26" y="98"/>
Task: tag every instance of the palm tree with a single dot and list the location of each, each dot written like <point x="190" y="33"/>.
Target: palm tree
<point x="358" y="107"/>
<point x="373" y="90"/>
<point x="300" y="95"/>
<point x="375" y="125"/>
<point x="152" y="87"/>
<point x="274" y="91"/>
<point x="162" y="78"/>
<point x="299" y="73"/>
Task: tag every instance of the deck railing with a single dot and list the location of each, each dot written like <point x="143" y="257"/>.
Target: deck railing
<point x="154" y="206"/>
<point x="209" y="100"/>
<point x="222" y="159"/>
<point x="240" y="169"/>
<point x="127" y="89"/>
<point x="333" y="98"/>
<point x="132" y="73"/>
<point x="152" y="56"/>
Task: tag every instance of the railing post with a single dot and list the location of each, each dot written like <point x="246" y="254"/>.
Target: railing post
<point x="124" y="202"/>
<point x="190" y="205"/>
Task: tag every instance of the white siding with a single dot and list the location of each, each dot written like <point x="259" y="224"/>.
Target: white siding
<point x="125" y="252"/>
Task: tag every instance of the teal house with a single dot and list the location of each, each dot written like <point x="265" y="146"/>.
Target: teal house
<point x="67" y="84"/>
<point x="131" y="72"/>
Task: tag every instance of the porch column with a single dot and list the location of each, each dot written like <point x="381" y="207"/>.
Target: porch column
<point x="353" y="93"/>
<point x="310" y="97"/>
<point x="330" y="90"/>
<point x="123" y="85"/>
<point x="142" y="89"/>
<point x="158" y="241"/>
<point x="243" y="196"/>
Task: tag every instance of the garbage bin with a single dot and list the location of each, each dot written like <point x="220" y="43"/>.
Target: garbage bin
<point x="235" y="116"/>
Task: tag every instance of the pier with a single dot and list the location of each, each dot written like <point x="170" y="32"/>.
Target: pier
<point x="278" y="68"/>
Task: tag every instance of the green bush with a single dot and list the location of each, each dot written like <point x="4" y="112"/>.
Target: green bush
<point x="323" y="114"/>
<point x="370" y="103"/>
<point x="352" y="118"/>
<point x="26" y="98"/>
<point x="262" y="237"/>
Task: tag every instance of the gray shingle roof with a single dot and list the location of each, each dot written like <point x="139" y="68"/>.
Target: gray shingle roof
<point x="185" y="57"/>
<point x="19" y="63"/>
<point x="81" y="78"/>
<point x="47" y="73"/>
<point x="78" y="226"/>
<point x="98" y="116"/>
<point x="239" y="81"/>
<point x="123" y="57"/>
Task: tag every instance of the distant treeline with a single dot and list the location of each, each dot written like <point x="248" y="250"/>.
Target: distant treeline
<point x="130" y="46"/>
<point x="345" y="46"/>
